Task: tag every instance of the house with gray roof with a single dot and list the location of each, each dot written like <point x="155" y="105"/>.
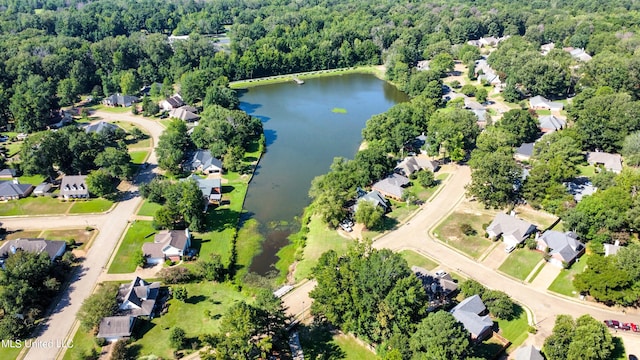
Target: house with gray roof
<point x="580" y="187"/>
<point x="13" y="190"/>
<point x="513" y="230"/>
<point x="551" y="123"/>
<point x="528" y="352"/>
<point x="211" y="189"/>
<point x="411" y="164"/>
<point x="137" y="298"/>
<point x="120" y="100"/>
<point x="564" y="248"/>
<point x="542" y="103"/>
<point x="203" y="161"/>
<point x="53" y="248"/>
<point x="184" y="113"/>
<point x="172" y="102"/>
<point x="485" y="73"/>
<point x="611" y="162"/>
<point x="373" y="196"/>
<point x="546" y="48"/>
<point x="74" y="187"/>
<point x="392" y="186"/>
<point x="100" y="127"/>
<point x="473" y="315"/>
<point x="482" y="116"/>
<point x="167" y="245"/>
<point x="436" y="285"/>
<point x="578" y="54"/>
<point x="8" y="173"/>
<point x="524" y="152"/>
<point x="114" y="328"/>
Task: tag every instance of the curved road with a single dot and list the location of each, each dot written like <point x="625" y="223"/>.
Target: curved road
<point x="53" y="334"/>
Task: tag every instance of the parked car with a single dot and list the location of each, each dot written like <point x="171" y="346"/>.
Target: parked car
<point x="626" y="326"/>
<point x="346" y="227"/>
<point x="441" y="273"/>
<point x="614" y="324"/>
<point x="635" y="328"/>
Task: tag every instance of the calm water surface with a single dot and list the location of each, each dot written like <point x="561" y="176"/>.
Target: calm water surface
<point x="303" y="136"/>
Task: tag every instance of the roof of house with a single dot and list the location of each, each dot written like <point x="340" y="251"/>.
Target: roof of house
<point x="100" y="127"/>
<point x="139" y="293"/>
<point x="183" y="114"/>
<point x="578" y="54"/>
<point x="564" y="244"/>
<point x="528" y="352"/>
<point x="9" y="189"/>
<point x="468" y="313"/>
<point x="373" y="197"/>
<point x="74" y="185"/>
<point x="45" y="186"/>
<point x="411" y="164"/>
<point x="444" y="283"/>
<point x="120" y="99"/>
<point x="473" y="105"/>
<point x="525" y="150"/>
<point x="209" y="187"/>
<point x="542" y="102"/>
<point x="174" y="238"/>
<point x="422" y="65"/>
<point x="552" y="122"/>
<point x="51" y="247"/>
<point x="392" y="184"/>
<point x="8" y="172"/>
<point x="580" y="187"/>
<point x="481" y="114"/>
<point x="611" y="249"/>
<point x="205" y="159"/>
<point x="116" y="326"/>
<point x="612" y="162"/>
<point x="175" y="101"/>
<point x="510" y="226"/>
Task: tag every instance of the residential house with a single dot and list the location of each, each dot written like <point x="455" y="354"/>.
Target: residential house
<point x="513" y="230"/>
<point x="120" y="100"/>
<point x="392" y="186"/>
<point x="485" y="73"/>
<point x="528" y="352"/>
<point x="138" y="298"/>
<point x="184" y="113"/>
<point x="551" y="123"/>
<point x="473" y="315"/>
<point x="13" y="190"/>
<point x="146" y="90"/>
<point x="580" y="187"/>
<point x="53" y="248"/>
<point x="524" y="152"/>
<point x="578" y="54"/>
<point x="473" y="105"/>
<point x="373" y="196"/>
<point x="489" y="41"/>
<point x="203" y="161"/>
<point x="8" y="173"/>
<point x="436" y="285"/>
<point x="114" y="328"/>
<point x="412" y="164"/>
<point x="546" y="48"/>
<point x="422" y="65"/>
<point x="167" y="245"/>
<point x="541" y="103"/>
<point x="74" y="187"/>
<point x="612" y="249"/>
<point x="611" y="162"/>
<point x="171" y="103"/>
<point x="211" y="189"/>
<point x="564" y="248"/>
<point x="482" y="116"/>
<point x="419" y="142"/>
<point x="42" y="189"/>
<point x="100" y="127"/>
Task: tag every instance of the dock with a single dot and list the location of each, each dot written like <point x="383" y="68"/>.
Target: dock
<point x="298" y="81"/>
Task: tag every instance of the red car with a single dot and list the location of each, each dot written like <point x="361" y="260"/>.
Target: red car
<point x="634" y="327"/>
<point x="614" y="324"/>
<point x="625" y="326"/>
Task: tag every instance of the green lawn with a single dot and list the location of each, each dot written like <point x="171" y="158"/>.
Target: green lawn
<point x="320" y="342"/>
<point x="248" y="245"/>
<point x="563" y="284"/>
<point x="34" y="180"/>
<point x="520" y="263"/>
<point x="13" y="147"/>
<point x="138" y="233"/>
<point x="90" y="206"/>
<point x="81" y="236"/>
<point x="189" y="315"/>
<point x="116" y="110"/>
<point x="353" y="349"/>
<point x="319" y="240"/>
<point x="148" y="208"/>
<point x="587" y="170"/>
<point x="138" y="157"/>
<point x="515" y="330"/>
<point x="34" y="206"/>
<point x="139" y="144"/>
<point x="543" y="112"/>
<point x="9" y="353"/>
<point x="83" y="344"/>
<point x="415" y="259"/>
<point x="450" y="233"/>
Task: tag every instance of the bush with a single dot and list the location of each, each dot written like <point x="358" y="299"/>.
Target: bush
<point x="101" y="341"/>
<point x="455" y="84"/>
<point x="177" y="338"/>
<point x="533" y="330"/>
<point x="468" y="90"/>
<point x="467" y="229"/>
<point x="531" y="243"/>
<point x="175" y="275"/>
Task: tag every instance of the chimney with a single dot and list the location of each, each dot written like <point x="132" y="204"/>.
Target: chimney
<point x="16" y="181"/>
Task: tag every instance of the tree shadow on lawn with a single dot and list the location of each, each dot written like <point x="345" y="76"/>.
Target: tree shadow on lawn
<point x="221" y="219"/>
<point x="317" y="342"/>
<point x="141" y="327"/>
<point x="196" y="299"/>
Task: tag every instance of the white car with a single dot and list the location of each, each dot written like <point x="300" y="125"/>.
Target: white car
<point x="509" y="248"/>
<point x="346" y="227"/>
<point x="441" y="273"/>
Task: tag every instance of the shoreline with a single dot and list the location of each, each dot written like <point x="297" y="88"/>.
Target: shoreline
<point x="376" y="70"/>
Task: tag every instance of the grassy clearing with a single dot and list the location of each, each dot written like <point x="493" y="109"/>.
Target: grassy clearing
<point x="587" y="170"/>
<point x="319" y="240"/>
<point x="34" y="206"/>
<point x="520" y="263"/>
<point x="243" y="84"/>
<point x="563" y="284"/>
<point x="148" y="208"/>
<point x="189" y="315"/>
<point x="111" y="109"/>
<point x="449" y="231"/>
<point x="543" y="112"/>
<point x="538" y="217"/>
<point x="352" y="348"/>
<point x="33" y="180"/>
<point x="247" y="246"/>
<point x="515" y="330"/>
<point x="13" y="147"/>
<point x="91" y="206"/>
<point x="320" y="342"/>
<point x="138" y="157"/>
<point x="80" y="236"/>
<point x="415" y="259"/>
<point x="138" y="233"/>
<point x="339" y="110"/>
<point x="9" y="353"/>
<point x="22" y="234"/>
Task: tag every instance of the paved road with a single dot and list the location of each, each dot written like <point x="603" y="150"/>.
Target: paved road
<point x="55" y="332"/>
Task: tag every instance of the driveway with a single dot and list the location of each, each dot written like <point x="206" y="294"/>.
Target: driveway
<point x="546" y="276"/>
<point x="57" y="329"/>
<point x="496" y="256"/>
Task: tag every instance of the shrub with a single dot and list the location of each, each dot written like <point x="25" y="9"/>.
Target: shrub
<point x="467" y="229"/>
<point x="175" y="275"/>
<point x="455" y="84"/>
<point x="468" y="90"/>
<point x="177" y="337"/>
<point x="101" y="341"/>
<point x="531" y="243"/>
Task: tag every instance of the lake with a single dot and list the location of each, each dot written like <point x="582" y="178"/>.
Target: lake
<point x="306" y="127"/>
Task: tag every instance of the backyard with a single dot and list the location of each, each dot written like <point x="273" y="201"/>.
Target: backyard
<point x="138" y="233"/>
<point x="520" y="263"/>
<point x="320" y="342"/>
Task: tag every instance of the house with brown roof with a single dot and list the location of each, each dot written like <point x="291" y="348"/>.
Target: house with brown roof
<point x="513" y="230"/>
<point x="611" y="162"/>
<point x="171" y="103"/>
<point x="74" y="187"/>
<point x="184" y="113"/>
<point x="167" y="245"/>
<point x="392" y="186"/>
